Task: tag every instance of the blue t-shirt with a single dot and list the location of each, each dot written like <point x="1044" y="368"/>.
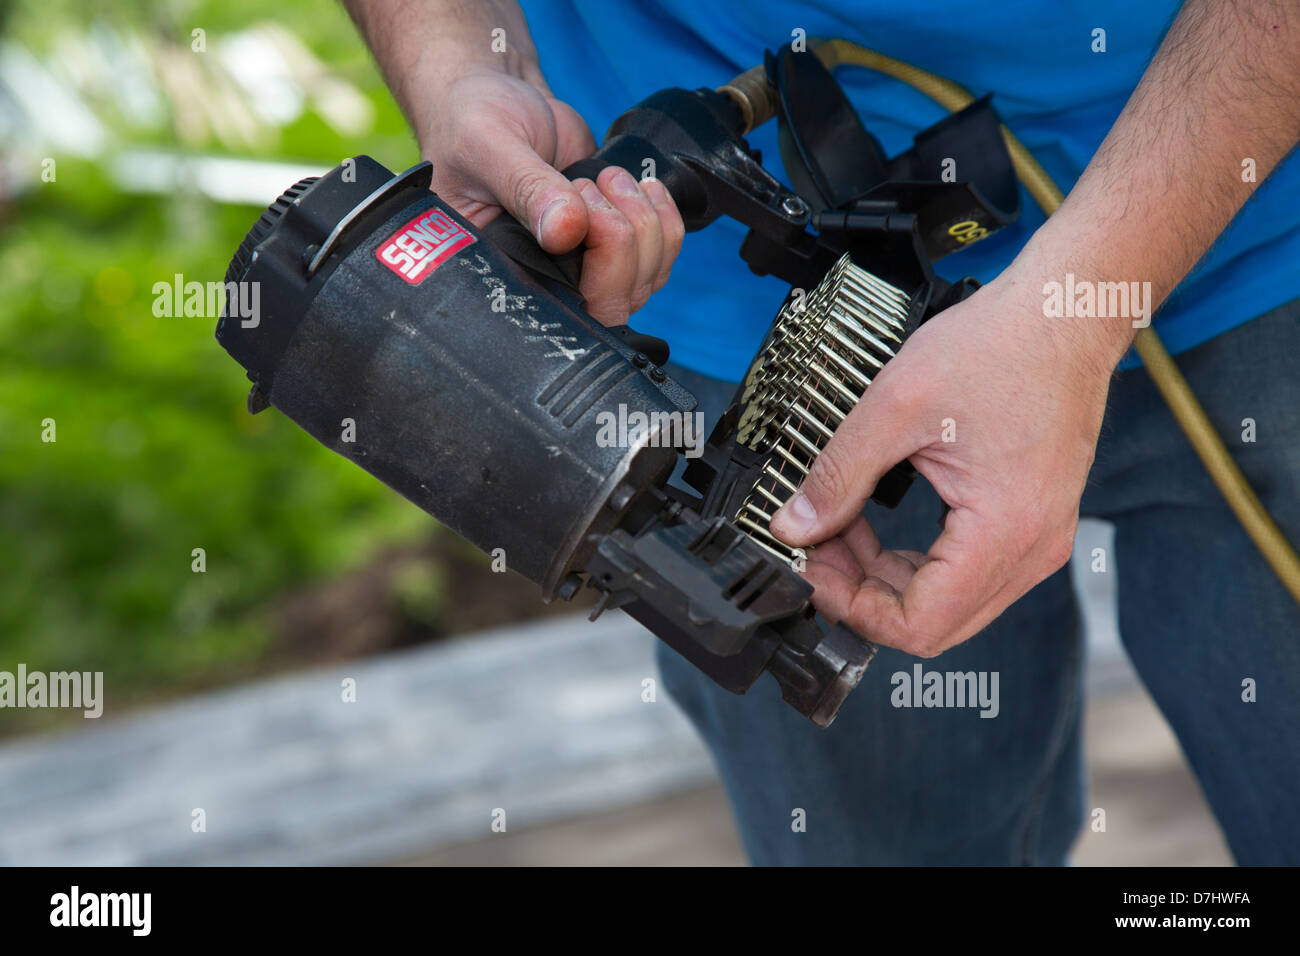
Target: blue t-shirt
<point x="1048" y="85"/>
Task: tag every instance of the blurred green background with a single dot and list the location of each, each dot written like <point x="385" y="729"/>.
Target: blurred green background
<point x="155" y="453"/>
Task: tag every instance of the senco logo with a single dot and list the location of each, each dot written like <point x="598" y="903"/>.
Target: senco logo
<point x="423" y="244"/>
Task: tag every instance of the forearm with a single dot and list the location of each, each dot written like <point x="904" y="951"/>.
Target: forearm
<point x="1223" y="88"/>
<point x="420" y="44"/>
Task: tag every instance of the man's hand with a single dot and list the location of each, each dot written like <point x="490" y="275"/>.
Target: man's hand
<point x="496" y="142"/>
<point x="497" y="138"/>
<point x="1025" y="393"/>
<point x="999" y="408"/>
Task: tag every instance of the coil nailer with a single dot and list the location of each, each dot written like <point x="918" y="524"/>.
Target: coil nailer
<point x="377" y="306"/>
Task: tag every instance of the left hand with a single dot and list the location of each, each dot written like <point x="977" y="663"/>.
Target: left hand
<point x="1019" y="398"/>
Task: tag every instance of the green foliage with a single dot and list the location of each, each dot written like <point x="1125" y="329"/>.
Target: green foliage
<point x="155" y="454"/>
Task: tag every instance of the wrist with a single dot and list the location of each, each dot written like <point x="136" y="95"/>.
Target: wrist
<point x="442" y="62"/>
<point x="1090" y="305"/>
<point x="423" y="58"/>
<point x="493" y="87"/>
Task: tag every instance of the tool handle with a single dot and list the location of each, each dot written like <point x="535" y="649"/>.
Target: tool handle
<point x="513" y="238"/>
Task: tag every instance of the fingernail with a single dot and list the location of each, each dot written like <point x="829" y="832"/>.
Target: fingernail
<point x="549" y="214"/>
<point x="624" y="184"/>
<point x="797" y="517"/>
<point x="655" y="190"/>
<point x="594" y="196"/>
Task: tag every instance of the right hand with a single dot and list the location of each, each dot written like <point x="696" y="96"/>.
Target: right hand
<point x="496" y="142"/>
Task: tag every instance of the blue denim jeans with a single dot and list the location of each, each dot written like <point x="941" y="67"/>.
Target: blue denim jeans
<point x="1200" y="613"/>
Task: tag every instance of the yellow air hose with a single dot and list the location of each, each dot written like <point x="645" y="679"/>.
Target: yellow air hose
<point x="1178" y="395"/>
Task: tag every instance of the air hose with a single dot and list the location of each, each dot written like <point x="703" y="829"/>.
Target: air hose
<point x="1173" y="387"/>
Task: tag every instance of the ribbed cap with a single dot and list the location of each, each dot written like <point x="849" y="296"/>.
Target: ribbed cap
<point x="262" y="228"/>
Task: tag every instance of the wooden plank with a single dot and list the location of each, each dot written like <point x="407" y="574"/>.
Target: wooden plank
<point x="544" y="721"/>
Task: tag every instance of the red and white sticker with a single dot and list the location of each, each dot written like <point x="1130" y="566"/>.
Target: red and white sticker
<point x="423" y="244"/>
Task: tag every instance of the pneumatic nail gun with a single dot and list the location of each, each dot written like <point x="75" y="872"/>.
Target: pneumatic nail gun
<point x="479" y="386"/>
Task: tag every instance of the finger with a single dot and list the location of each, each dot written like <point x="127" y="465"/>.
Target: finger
<point x="856" y="553"/>
<point x="874" y="437"/>
<point x="670" y="222"/>
<point x="836" y="593"/>
<point x="609" y="265"/>
<point x="960" y="588"/>
<point x="622" y="189"/>
<point x="533" y="192"/>
<point x="894" y="567"/>
<point x="838" y="555"/>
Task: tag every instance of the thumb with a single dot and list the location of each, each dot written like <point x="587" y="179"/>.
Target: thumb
<point x="536" y="194"/>
<point x="870" y="441"/>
